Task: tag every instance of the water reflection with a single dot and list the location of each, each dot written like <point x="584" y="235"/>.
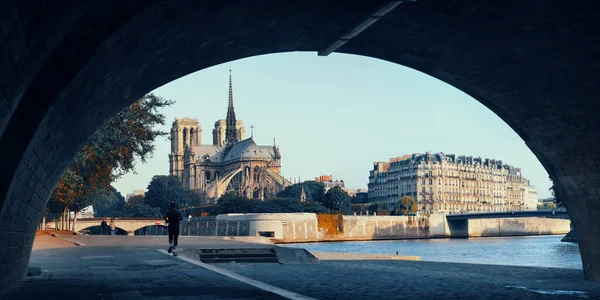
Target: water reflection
<point x="539" y="251"/>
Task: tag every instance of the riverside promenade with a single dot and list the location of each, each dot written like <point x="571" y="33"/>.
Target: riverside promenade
<point x="132" y="267"/>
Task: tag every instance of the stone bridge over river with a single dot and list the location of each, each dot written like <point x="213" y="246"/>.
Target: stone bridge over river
<point x="129" y="225"/>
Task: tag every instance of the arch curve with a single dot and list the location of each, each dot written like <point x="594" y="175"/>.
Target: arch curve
<point x="539" y="80"/>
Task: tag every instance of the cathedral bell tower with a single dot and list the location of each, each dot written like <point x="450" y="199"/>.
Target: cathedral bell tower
<point x="231" y="135"/>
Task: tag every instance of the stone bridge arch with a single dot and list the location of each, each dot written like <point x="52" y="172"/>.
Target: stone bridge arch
<point x="97" y="230"/>
<point x="534" y="63"/>
<point x="127" y="225"/>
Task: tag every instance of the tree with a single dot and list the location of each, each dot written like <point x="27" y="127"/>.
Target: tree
<point x="110" y="153"/>
<point x="135" y="201"/>
<point x="337" y="199"/>
<point x="314" y="207"/>
<point x="230" y="203"/>
<point x="108" y="203"/>
<point x="164" y="189"/>
<point x="547" y="205"/>
<point x="194" y="198"/>
<point x="315" y="191"/>
<point x="406" y="206"/>
<point x="554" y="193"/>
<point x="145" y="211"/>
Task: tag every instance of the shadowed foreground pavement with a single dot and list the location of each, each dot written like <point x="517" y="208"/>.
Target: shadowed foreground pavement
<point x="123" y="268"/>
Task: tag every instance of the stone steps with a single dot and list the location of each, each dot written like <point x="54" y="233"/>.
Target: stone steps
<point x="244" y="255"/>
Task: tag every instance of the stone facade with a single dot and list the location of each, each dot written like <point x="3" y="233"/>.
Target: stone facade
<point x="446" y="183"/>
<point x="531" y="197"/>
<point x="231" y="164"/>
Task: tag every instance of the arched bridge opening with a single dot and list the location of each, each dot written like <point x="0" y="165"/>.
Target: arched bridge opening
<point x="152" y="230"/>
<point x="536" y="71"/>
<point x="98" y="230"/>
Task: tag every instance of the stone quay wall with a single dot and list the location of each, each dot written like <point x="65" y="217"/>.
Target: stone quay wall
<point x="304" y="227"/>
<point x="518" y="226"/>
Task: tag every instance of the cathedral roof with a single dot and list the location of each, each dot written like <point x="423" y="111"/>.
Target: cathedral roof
<point x="248" y="149"/>
<point x="213" y="152"/>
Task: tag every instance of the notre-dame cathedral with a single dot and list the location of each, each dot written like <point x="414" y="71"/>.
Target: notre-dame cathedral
<point x="231" y="164"/>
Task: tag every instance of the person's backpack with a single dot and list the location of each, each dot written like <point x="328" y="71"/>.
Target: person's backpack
<point x="173" y="216"/>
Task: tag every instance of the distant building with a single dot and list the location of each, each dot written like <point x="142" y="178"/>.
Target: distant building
<point x="361" y="196"/>
<point x="232" y="164"/>
<point x="329" y="183"/>
<point x="531" y="197"/>
<point x="449" y="183"/>
<point x="135" y="193"/>
<point x="85" y="213"/>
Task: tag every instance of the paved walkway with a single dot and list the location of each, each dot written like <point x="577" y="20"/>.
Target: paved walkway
<point x="124" y="268"/>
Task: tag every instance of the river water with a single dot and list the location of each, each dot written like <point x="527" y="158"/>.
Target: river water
<point x="537" y="251"/>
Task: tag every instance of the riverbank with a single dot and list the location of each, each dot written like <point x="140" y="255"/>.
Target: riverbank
<point x="536" y="251"/>
<point x="126" y="267"/>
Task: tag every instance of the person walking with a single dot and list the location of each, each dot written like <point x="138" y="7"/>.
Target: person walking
<point x="173" y="217"/>
<point x="103" y="227"/>
<point x="112" y="226"/>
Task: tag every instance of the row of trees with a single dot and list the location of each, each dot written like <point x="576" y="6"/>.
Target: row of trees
<point x="288" y="200"/>
<point x="405" y="206"/>
<point x="107" y="155"/>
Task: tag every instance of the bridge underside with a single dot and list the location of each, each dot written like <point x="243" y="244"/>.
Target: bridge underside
<point x="67" y="67"/>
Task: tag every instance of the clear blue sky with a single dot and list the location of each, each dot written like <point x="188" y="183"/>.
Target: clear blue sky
<point x="336" y="115"/>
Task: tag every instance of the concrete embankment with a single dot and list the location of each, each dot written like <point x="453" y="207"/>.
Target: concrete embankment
<point x="308" y="227"/>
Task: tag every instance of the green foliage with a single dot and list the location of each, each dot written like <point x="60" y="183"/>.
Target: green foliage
<point x="547" y="205"/>
<point x="384" y="206"/>
<point x="164" y="189"/>
<point x="373" y="207"/>
<point x="144" y="211"/>
<point x="315" y="191"/>
<point x="554" y="192"/>
<point x="337" y="199"/>
<point x="235" y="204"/>
<point x="108" y="203"/>
<point x="406" y="206"/>
<point x="135" y="201"/>
<point x="194" y="198"/>
<point x="110" y="153"/>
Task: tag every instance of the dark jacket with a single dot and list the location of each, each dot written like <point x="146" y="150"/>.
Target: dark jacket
<point x="103" y="224"/>
<point x="173" y="217"/>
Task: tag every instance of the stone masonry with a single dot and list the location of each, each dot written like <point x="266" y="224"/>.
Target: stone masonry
<point x="67" y="67"/>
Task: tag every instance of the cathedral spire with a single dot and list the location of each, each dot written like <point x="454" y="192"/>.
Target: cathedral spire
<point x="231" y="130"/>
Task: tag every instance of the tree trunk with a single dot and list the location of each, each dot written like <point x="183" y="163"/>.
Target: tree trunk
<point x="68" y="212"/>
<point x="74" y="219"/>
<point x="65" y="219"/>
<point x="60" y="222"/>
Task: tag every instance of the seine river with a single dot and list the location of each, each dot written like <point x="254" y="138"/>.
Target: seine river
<point x="538" y="251"/>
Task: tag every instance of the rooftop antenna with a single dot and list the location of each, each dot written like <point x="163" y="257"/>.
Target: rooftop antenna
<point x="251" y="130"/>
